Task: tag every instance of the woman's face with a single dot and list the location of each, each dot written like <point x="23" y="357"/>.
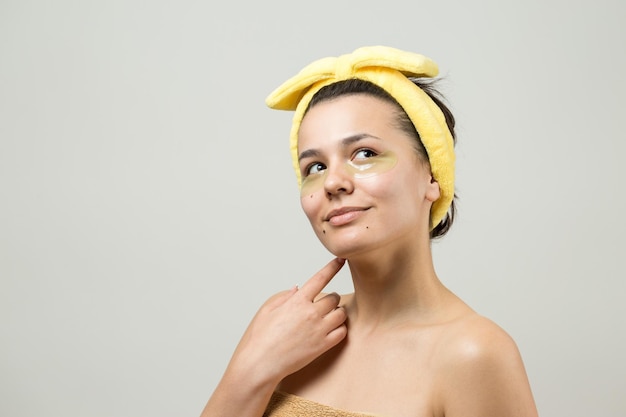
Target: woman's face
<point x="363" y="185"/>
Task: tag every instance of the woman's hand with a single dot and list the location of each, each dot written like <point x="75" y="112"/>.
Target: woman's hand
<point x="289" y="331"/>
<point x="292" y="328"/>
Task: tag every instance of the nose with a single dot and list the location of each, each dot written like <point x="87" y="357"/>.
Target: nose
<point x="338" y="180"/>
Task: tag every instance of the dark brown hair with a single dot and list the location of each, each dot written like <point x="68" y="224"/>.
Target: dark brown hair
<point x="357" y="86"/>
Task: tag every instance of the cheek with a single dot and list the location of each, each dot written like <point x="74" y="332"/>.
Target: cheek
<point x="396" y="192"/>
<point x="310" y="205"/>
<point x="380" y="186"/>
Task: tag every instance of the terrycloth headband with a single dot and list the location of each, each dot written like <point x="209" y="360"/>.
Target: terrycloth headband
<point x="388" y="68"/>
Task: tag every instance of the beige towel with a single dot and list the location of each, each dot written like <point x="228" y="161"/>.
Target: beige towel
<point x="283" y="404"/>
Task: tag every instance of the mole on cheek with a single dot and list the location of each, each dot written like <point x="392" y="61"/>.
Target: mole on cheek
<point x="324" y="231"/>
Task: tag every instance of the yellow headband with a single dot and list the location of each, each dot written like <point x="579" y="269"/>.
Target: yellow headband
<point x="387" y="68"/>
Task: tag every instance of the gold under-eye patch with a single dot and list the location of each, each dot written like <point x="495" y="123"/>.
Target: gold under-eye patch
<point x="389" y="68"/>
<point x="357" y="168"/>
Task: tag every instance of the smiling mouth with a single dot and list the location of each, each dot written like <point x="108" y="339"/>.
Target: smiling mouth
<point x="344" y="215"/>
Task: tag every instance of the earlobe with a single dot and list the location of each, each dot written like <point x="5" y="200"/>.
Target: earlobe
<point x="432" y="190"/>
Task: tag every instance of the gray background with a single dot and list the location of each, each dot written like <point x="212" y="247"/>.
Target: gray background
<point x="148" y="207"/>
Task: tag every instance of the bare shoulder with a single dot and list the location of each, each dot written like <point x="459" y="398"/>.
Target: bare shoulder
<point x="482" y="372"/>
<point x="475" y="338"/>
<point x="473" y="346"/>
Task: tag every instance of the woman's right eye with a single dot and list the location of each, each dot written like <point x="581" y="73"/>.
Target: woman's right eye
<point x="314" y="168"/>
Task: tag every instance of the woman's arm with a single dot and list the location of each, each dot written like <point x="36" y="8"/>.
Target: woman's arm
<point x="290" y="330"/>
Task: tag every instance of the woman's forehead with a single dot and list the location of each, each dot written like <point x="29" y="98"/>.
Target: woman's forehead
<point x="347" y="119"/>
<point x="346" y="116"/>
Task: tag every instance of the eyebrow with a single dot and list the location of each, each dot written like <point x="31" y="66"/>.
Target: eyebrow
<point x="309" y="153"/>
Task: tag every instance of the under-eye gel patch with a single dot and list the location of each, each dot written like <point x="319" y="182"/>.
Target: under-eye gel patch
<point x="374" y="165"/>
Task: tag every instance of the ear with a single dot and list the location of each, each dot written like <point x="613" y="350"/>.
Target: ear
<point x="432" y="190"/>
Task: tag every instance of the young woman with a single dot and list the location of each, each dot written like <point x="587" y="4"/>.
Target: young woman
<point x="373" y="149"/>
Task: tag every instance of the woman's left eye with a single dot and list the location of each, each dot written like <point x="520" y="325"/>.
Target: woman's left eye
<point x="364" y="154"/>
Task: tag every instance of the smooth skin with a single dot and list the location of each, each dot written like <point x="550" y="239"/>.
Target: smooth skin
<point x="289" y="331"/>
<point x="402" y="344"/>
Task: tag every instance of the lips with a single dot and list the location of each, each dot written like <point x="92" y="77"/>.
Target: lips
<point x="344" y="215"/>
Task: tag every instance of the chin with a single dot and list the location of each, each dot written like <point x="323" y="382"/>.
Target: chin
<point x="344" y="246"/>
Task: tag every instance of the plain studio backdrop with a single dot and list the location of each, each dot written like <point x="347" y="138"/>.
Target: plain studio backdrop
<point x="148" y="205"/>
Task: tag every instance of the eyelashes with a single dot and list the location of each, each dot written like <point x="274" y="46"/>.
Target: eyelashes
<point x="364" y="153"/>
<point x="358" y="156"/>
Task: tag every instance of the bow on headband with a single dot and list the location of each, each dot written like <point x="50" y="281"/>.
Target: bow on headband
<point x="389" y="68"/>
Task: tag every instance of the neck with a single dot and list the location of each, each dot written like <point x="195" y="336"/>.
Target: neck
<point x="392" y="288"/>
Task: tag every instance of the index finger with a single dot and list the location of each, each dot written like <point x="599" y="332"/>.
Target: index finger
<point x="317" y="282"/>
